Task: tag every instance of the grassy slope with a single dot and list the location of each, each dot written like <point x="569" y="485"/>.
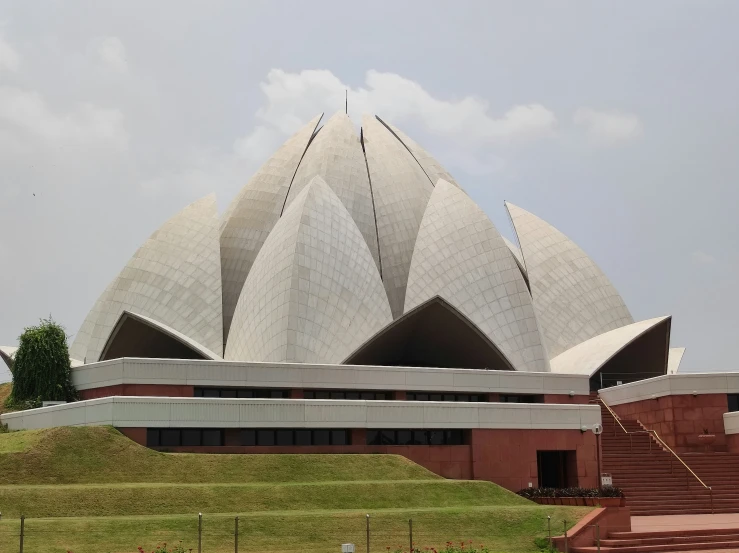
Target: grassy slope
<point x="286" y="502"/>
<point x="4" y="393"/>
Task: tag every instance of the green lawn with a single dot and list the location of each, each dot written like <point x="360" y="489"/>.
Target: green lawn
<point x="93" y="490"/>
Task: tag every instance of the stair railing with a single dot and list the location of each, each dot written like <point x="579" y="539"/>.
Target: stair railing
<point x="661" y="442"/>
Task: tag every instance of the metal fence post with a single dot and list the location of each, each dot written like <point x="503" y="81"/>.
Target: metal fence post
<point x="236" y="535"/>
<point x="410" y="535"/>
<point x="597" y="536"/>
<point x="200" y="532"/>
<point x="368" y="533"/>
<point x="23" y="530"/>
<point x="567" y="548"/>
<point x="549" y="530"/>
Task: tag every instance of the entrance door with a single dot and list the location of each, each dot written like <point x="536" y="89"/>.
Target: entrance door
<point x="555" y="468"/>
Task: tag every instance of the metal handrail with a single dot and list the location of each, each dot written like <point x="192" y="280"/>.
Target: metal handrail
<point x="662" y="443"/>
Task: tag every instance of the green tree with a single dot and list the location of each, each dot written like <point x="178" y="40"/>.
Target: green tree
<point x="41" y="369"/>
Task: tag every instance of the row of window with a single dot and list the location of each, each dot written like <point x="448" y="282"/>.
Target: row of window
<point x="424" y="396"/>
<point x="346" y="394"/>
<point x="242" y="392"/>
<point x="416" y="437"/>
<point x="733" y="402"/>
<point x="278" y="393"/>
<point x="172" y="437"/>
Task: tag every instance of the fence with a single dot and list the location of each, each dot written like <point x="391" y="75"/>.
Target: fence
<point x="382" y="533"/>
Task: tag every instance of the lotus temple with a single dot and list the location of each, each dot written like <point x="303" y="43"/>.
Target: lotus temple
<point x="353" y="298"/>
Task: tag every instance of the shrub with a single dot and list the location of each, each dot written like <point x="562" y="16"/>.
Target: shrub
<point x="450" y="547"/>
<point x="605" y="491"/>
<point x="41" y="369"/>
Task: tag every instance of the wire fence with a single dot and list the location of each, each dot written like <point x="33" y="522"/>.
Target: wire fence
<point x="221" y="534"/>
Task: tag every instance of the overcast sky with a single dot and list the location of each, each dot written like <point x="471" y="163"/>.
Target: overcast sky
<point x="616" y="122"/>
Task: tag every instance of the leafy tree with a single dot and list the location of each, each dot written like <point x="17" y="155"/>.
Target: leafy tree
<point x="41" y="369"/>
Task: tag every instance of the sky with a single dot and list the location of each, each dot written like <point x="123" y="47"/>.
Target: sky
<point x="617" y="122"/>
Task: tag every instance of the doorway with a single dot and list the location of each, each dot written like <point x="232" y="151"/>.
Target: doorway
<point x="556" y="469"/>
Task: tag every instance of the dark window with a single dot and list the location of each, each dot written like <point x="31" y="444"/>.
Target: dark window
<point x="241" y="392"/>
<point x="211" y="392"/>
<point x="170" y="437"/>
<point x="520" y="399"/>
<point x="198" y="392"/>
<point x="410" y="396"/>
<point x="380" y="395"/>
<point x="246" y="393"/>
<point x="152" y="437"/>
<point x="229" y="393"/>
<point x="352" y="395"/>
<point x="733" y="402"/>
<point x="265" y="437"/>
<point x="417" y="437"/>
<point x="338" y="395"/>
<point x="450" y="397"/>
<point x="309" y="394"/>
<point x="285" y="437"/>
<point x="278" y="394"/>
<point x="212" y="437"/>
<point x="373" y="437"/>
<point x="422" y="397"/>
<point x="404" y="437"/>
<point x="248" y="437"/>
<point x="322" y="395"/>
<point x="191" y="437"/>
<point x="339" y="437"/>
<point x="434" y="397"/>
<point x="321" y="437"/>
<point x="303" y="437"/>
<point x="420" y="437"/>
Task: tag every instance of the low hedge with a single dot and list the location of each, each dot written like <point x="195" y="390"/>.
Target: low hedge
<point x="605" y="491"/>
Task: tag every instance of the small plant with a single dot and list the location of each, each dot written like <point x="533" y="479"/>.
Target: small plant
<point x="611" y="491"/>
<point x="605" y="491"/>
<point x="162" y="548"/>
<point x="449" y="547"/>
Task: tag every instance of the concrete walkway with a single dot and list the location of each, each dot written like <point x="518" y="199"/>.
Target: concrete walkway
<point x="684" y="522"/>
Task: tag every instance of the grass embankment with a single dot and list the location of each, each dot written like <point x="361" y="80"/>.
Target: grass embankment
<point x="5" y="389"/>
<point x="91" y="489"/>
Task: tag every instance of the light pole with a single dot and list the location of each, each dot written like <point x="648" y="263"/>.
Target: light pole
<point x="598" y="430"/>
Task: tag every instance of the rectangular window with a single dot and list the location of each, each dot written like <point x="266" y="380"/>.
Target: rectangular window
<point x="373" y="437"/>
<point x="733" y="402"/>
<point x="303" y="437"/>
<point x="321" y="437"/>
<point x="420" y="437"/>
<point x="404" y="437"/>
<point x="248" y="437"/>
<point x="309" y="394"/>
<point x="241" y="392"/>
<point x="265" y="437"/>
<point x="212" y="437"/>
<point x="285" y="437"/>
<point x="152" y="437"/>
<point x="211" y="392"/>
<point x="339" y="437"/>
<point x="191" y="437"/>
<point x="388" y="437"/>
<point x="170" y="437"/>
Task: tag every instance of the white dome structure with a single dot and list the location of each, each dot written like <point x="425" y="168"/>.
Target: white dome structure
<point x="361" y="248"/>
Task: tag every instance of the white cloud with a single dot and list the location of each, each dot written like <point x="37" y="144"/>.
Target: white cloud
<point x="26" y="118"/>
<point x="608" y="127"/>
<point x="465" y="127"/>
<point x="702" y="258"/>
<point x="113" y="53"/>
<point x="9" y="58"/>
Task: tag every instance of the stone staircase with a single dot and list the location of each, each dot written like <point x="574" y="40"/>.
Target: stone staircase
<point x="655" y="483"/>
<point x="672" y="541"/>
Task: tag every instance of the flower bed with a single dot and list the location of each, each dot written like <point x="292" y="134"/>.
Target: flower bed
<point x="607" y="496"/>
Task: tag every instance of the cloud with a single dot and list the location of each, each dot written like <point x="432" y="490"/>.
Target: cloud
<point x="702" y="258"/>
<point x="608" y="127"/>
<point x="9" y="58"/>
<point x="27" y="118"/>
<point x="466" y="127"/>
<point x="112" y="52"/>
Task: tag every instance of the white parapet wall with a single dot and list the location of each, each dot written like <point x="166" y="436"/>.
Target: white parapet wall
<point x="152" y="412"/>
<point x="293" y="375"/>
<point x="731" y="423"/>
<point x="672" y="385"/>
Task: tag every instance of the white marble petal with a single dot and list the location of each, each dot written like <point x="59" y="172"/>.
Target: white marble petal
<point x="401" y="191"/>
<point x="335" y="154"/>
<point x="433" y="169"/>
<point x="573" y="298"/>
<point x="588" y="357"/>
<point x="173" y="278"/>
<point x="252" y="214"/>
<point x="675" y="356"/>
<point x="314" y="293"/>
<point x="461" y="257"/>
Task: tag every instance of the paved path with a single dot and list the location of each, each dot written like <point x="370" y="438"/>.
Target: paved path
<point x="684" y="522"/>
